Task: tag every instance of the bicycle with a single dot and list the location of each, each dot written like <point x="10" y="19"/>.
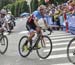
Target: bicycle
<point x="3" y="43"/>
<point x="44" y="43"/>
<point x="71" y="51"/>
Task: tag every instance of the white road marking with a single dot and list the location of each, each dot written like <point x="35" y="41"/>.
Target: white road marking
<point x="58" y="56"/>
<point x="59" y="49"/>
<point x="24" y="32"/>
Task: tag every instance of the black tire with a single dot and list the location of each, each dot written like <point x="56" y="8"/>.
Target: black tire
<point x="3" y="42"/>
<point x="70" y="50"/>
<point x="20" y="42"/>
<point x="39" y="51"/>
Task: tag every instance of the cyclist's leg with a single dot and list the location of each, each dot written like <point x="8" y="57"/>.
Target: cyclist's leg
<point x="25" y="45"/>
<point x="4" y="26"/>
<point x="32" y="33"/>
<point x="7" y="26"/>
<point x="1" y="30"/>
<point x="31" y="30"/>
<point x="38" y="29"/>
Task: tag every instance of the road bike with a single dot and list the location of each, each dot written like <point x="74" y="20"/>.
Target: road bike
<point x="3" y="43"/>
<point x="71" y="51"/>
<point x="42" y="44"/>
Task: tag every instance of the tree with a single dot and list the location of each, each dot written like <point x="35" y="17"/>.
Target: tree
<point x="5" y="2"/>
<point x="34" y="5"/>
<point x="25" y="6"/>
<point x="13" y="9"/>
<point x="42" y="2"/>
<point x="18" y="7"/>
<point x="56" y="2"/>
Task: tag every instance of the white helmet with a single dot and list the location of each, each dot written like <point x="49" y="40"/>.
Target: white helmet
<point x="3" y="11"/>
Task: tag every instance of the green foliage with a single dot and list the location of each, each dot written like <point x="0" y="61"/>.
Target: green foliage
<point x="42" y="2"/>
<point x="34" y="5"/>
<point x="5" y="2"/>
<point x="18" y="7"/>
<point x="13" y="9"/>
<point x="56" y="2"/>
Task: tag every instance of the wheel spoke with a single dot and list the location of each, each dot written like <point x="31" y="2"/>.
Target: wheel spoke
<point x="71" y="51"/>
<point x="23" y="47"/>
<point x="43" y="44"/>
<point x="3" y="44"/>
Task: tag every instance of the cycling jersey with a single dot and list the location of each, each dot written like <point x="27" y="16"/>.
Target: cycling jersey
<point x="37" y="14"/>
<point x="30" y="22"/>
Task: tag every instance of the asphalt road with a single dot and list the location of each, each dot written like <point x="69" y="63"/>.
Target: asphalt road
<point x="60" y="40"/>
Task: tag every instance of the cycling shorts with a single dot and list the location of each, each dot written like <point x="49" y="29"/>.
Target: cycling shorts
<point x="30" y="26"/>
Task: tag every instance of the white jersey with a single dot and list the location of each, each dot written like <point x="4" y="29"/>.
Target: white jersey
<point x="7" y="18"/>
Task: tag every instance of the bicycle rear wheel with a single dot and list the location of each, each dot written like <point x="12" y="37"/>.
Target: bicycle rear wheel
<point x="71" y="51"/>
<point x="21" y="45"/>
<point x="45" y="47"/>
<point x="3" y="44"/>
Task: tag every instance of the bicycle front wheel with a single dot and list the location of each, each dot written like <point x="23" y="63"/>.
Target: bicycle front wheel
<point x="45" y="47"/>
<point x="71" y="51"/>
<point x="24" y="52"/>
<point x="3" y="44"/>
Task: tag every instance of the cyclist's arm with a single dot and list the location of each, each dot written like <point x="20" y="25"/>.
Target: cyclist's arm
<point x="36" y="22"/>
<point x="45" y="22"/>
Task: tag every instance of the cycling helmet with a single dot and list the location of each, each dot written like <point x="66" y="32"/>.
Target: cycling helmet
<point x="3" y="11"/>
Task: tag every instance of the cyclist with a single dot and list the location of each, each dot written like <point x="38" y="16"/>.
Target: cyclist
<point x="2" y="24"/>
<point x="4" y="18"/>
<point x="1" y="28"/>
<point x="32" y="23"/>
<point x="11" y="18"/>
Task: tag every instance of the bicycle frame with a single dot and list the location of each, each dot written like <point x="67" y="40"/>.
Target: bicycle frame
<point x="39" y="36"/>
<point x="36" y="42"/>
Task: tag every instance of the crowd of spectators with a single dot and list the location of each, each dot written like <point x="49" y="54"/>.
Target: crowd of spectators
<point x="60" y="14"/>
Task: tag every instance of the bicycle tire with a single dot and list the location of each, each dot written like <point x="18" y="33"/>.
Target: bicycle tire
<point x="50" y="48"/>
<point x="25" y="55"/>
<point x="68" y="52"/>
<point x="4" y="37"/>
